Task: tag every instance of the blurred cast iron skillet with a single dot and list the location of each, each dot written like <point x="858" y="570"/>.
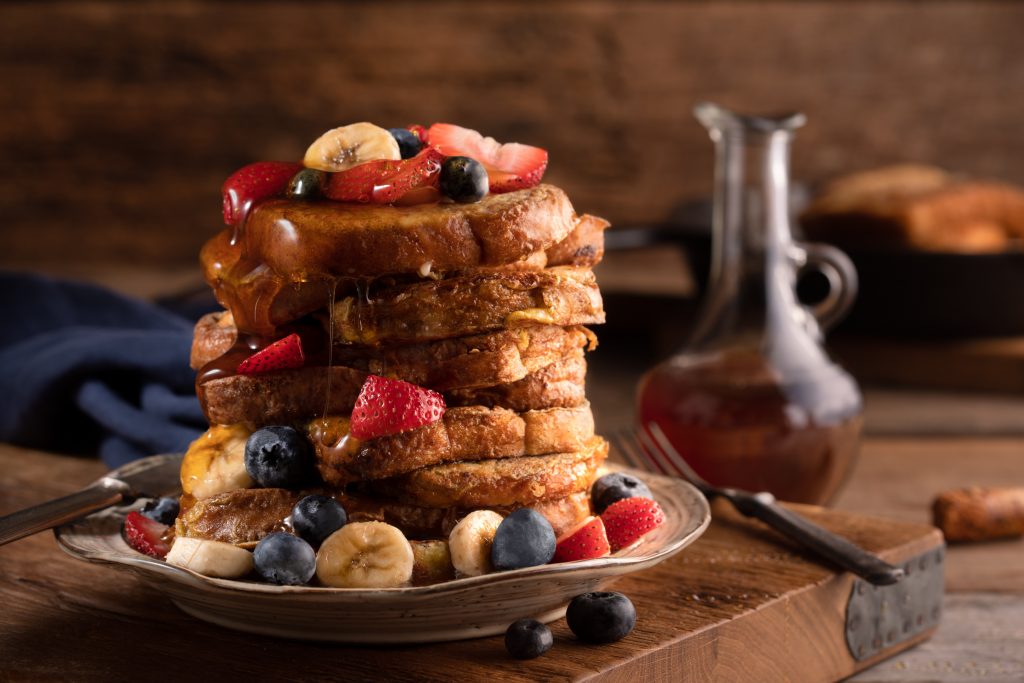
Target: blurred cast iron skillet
<point x="902" y="294"/>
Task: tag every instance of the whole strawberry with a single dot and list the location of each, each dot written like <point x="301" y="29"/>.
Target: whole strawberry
<point x="253" y="183"/>
<point x="629" y="519"/>
<point x="284" y="354"/>
<point x="389" y="406"/>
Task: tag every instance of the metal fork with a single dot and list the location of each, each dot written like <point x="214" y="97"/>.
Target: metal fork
<point x="648" y="449"/>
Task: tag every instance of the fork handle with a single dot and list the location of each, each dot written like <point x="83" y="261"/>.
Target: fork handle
<point x="835" y="548"/>
<point x="59" y="511"/>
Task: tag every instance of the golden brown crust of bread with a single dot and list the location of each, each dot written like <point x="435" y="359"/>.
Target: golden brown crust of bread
<point x="918" y="207"/>
<point x="463" y="434"/>
<point x="291" y="254"/>
<point x="468" y="362"/>
<point x="504" y="482"/>
<point x="561" y="384"/>
<point x="470" y="304"/>
<point x="244" y="516"/>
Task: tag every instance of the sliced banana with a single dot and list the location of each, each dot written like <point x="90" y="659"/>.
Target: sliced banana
<point x="210" y="558"/>
<point x="342" y="148"/>
<point x="470" y="542"/>
<point x="215" y="462"/>
<point x="432" y="562"/>
<point x="365" y="555"/>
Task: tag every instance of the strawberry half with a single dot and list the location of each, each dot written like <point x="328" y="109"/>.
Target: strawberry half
<point x="386" y="182"/>
<point x="284" y="354"/>
<point x="511" y="166"/>
<point x="145" y="535"/>
<point x="629" y="519"/>
<point x="253" y="183"/>
<point x="586" y="541"/>
<point x="389" y="406"/>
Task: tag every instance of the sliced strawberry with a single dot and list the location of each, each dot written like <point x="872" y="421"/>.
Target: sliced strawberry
<point x="284" y="354"/>
<point x="419" y="130"/>
<point x="627" y="520"/>
<point x="586" y="541"/>
<point x="389" y="406"/>
<point x="145" y="535"/>
<point x="511" y="166"/>
<point x="253" y="183"/>
<point x="385" y="182"/>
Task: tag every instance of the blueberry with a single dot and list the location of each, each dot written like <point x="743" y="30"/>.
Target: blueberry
<point x="284" y="559"/>
<point x="463" y="179"/>
<point x="614" y="487"/>
<point x="528" y="639"/>
<point x="523" y="539"/>
<point x="601" y="617"/>
<point x="409" y="144"/>
<point x="314" y="518"/>
<point x="307" y="184"/>
<point x="163" y="510"/>
<point x="278" y="457"/>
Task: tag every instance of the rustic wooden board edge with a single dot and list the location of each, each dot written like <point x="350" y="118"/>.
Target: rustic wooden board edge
<point x="777" y="626"/>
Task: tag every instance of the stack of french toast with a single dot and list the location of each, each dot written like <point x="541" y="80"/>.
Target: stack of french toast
<point x="481" y="303"/>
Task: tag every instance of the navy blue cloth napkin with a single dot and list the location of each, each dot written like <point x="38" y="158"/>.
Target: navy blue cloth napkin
<point x="85" y="370"/>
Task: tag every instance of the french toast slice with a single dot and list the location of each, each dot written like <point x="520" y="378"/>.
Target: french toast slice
<point x="551" y="358"/>
<point x="467" y="305"/>
<point x="291" y="255"/>
<point x="467" y="362"/>
<point x="505" y="482"/>
<point x="244" y="516"/>
<point x="463" y="434"/>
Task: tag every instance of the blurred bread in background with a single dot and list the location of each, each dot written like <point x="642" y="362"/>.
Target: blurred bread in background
<point x="916" y="206"/>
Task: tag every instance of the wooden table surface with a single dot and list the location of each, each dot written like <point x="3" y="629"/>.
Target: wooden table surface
<point x="64" y="619"/>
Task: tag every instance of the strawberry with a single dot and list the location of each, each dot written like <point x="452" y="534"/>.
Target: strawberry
<point x="627" y="520"/>
<point x="145" y="535"/>
<point x="252" y="183"/>
<point x="586" y="541"/>
<point x="284" y="354"/>
<point x="419" y="130"/>
<point x="389" y="406"/>
<point x="385" y="182"/>
<point x="511" y="166"/>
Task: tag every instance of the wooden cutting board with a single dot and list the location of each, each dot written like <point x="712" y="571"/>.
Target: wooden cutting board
<point x="741" y="604"/>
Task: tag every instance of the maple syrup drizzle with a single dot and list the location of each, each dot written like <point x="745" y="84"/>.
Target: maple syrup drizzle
<point x="333" y="287"/>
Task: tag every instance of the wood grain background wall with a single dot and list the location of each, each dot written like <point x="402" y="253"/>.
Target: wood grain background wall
<point x="120" y="120"/>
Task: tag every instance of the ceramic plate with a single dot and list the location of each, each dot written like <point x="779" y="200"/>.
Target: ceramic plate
<point x="462" y="608"/>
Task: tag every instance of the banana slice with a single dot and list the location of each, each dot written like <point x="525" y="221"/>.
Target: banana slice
<point x="432" y="562"/>
<point x="215" y="462"/>
<point x="210" y="558"/>
<point x="365" y="555"/>
<point x="470" y="542"/>
<point x="348" y="146"/>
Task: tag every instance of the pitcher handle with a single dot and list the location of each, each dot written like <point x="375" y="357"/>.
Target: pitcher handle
<point x="837" y="267"/>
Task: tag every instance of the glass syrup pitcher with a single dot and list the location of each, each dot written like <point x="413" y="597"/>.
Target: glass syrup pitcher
<point x="753" y="401"/>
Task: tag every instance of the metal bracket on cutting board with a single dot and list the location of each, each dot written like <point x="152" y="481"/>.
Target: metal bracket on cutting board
<point x="878" y="617"/>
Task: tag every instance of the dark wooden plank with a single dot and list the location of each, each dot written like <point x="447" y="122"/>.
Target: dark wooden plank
<point x="120" y="120"/>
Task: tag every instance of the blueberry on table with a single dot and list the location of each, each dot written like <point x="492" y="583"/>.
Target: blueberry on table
<point x="308" y="183"/>
<point x="279" y="457"/>
<point x="463" y="179"/>
<point x="163" y="510"/>
<point x="409" y="143"/>
<point x="314" y="518"/>
<point x="284" y="559"/>
<point x="601" y="617"/>
<point x="523" y="539"/>
<point x="528" y="639"/>
<point x="614" y="487"/>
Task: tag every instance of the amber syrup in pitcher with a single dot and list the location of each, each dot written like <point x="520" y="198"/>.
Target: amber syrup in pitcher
<point x="754" y="401"/>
